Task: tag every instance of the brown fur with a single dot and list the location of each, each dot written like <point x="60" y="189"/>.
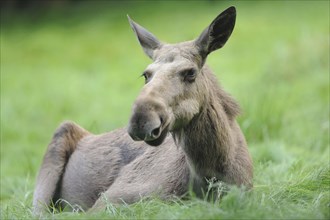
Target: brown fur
<point x="64" y="143"/>
<point x="181" y="97"/>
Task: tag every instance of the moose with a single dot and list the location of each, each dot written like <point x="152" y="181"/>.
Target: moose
<point x="181" y="133"/>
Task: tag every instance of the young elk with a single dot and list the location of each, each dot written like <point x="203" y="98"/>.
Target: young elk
<point x="181" y="96"/>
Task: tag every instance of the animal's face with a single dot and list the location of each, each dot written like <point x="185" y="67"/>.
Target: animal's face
<point x="171" y="96"/>
<point x="175" y="87"/>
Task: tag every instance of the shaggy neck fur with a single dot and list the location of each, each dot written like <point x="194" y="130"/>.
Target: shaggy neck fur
<point x="208" y="140"/>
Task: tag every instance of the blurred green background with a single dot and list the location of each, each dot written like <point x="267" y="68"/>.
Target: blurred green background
<point x="79" y="60"/>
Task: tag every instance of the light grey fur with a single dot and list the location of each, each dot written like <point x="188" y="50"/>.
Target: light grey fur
<point x="182" y="110"/>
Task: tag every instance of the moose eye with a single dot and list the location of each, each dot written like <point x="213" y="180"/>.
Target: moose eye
<point x="189" y="75"/>
<point x="146" y="76"/>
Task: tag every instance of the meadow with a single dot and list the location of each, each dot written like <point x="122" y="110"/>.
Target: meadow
<point x="82" y="62"/>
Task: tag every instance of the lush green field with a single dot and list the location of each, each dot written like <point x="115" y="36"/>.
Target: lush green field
<point x="83" y="63"/>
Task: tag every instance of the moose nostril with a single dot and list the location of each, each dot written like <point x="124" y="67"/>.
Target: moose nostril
<point x="155" y="133"/>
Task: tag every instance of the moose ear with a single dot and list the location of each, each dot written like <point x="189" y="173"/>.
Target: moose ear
<point x="216" y="35"/>
<point x="147" y="40"/>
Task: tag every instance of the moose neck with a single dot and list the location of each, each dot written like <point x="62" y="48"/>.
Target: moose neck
<point x="207" y="140"/>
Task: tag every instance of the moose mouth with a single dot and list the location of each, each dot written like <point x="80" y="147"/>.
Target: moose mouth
<point x="155" y="138"/>
<point x="147" y="124"/>
<point x="159" y="140"/>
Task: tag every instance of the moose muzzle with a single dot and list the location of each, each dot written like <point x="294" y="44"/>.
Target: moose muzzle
<point x="148" y="122"/>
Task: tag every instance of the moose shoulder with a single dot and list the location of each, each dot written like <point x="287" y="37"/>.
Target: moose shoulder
<point x="181" y="97"/>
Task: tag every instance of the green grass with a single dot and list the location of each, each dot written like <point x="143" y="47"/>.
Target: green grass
<point x="83" y="63"/>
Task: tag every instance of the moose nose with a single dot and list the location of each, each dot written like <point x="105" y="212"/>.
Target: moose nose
<point x="144" y="127"/>
<point x="142" y="135"/>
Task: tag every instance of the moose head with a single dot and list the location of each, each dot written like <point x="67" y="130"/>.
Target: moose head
<point x="176" y="85"/>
